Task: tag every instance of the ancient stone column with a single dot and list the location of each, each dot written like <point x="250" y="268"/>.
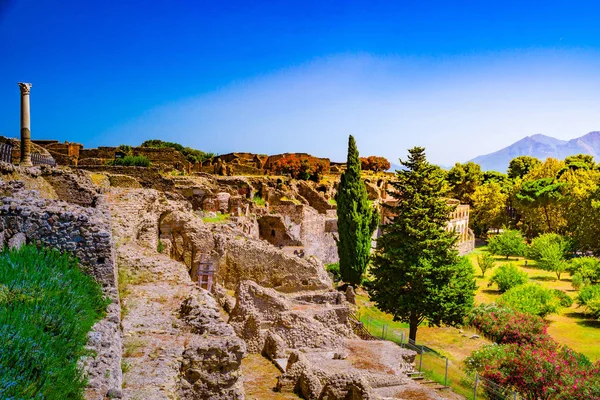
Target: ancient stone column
<point x="25" y="126"/>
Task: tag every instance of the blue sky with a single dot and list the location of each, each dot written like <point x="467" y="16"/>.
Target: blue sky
<point x="459" y="77"/>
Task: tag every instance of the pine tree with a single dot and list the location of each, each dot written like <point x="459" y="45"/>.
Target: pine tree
<point x="417" y="274"/>
<point x="357" y="220"/>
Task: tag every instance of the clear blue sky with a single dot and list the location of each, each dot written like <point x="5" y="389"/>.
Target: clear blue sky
<point x="459" y="77"/>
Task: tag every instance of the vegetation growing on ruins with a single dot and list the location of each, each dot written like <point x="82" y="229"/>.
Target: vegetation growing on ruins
<point x="300" y="167"/>
<point x="374" y="163"/>
<point x="430" y="281"/>
<point x="357" y="219"/>
<point x="194" y="156"/>
<point x="130" y="161"/>
<point x="47" y="307"/>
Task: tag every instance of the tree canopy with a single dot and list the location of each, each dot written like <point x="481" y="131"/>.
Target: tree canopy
<point x="417" y="254"/>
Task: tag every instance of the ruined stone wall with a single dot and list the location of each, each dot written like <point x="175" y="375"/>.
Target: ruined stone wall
<point x="84" y="232"/>
<point x="147" y="177"/>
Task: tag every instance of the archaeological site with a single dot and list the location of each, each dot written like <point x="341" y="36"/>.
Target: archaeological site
<point x="215" y="272"/>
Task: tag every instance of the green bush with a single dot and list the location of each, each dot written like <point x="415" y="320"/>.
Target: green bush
<point x="584" y="271"/>
<point x="259" y="201"/>
<point x="47" y="307"/>
<point x="589" y="298"/>
<point x="130" y="161"/>
<point x="334" y="270"/>
<point x="564" y="299"/>
<point x="508" y="243"/>
<point x="508" y="276"/>
<point x="531" y="298"/>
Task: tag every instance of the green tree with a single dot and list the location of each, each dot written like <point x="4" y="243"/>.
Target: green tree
<point x="489" y="208"/>
<point x="552" y="258"/>
<point x="521" y="166"/>
<point x="485" y="262"/>
<point x="357" y="220"/>
<point x="541" y="193"/>
<point x="507" y="243"/>
<point x="417" y="274"/>
<point x="544" y="240"/>
<point x="464" y="180"/>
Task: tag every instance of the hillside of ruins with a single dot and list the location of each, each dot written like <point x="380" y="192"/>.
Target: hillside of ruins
<point x="208" y="266"/>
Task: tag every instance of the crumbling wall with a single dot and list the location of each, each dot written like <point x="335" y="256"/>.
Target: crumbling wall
<point x="84" y="232"/>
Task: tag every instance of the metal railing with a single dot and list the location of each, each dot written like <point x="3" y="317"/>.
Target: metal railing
<point x="39" y="159"/>
<point x="432" y="367"/>
<point x="6" y="152"/>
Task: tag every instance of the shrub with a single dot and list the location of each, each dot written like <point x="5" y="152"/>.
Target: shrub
<point x="130" y="161"/>
<point x="302" y="168"/>
<point x="564" y="299"/>
<point x="160" y="246"/>
<point x="589" y="298"/>
<point x="47" y="307"/>
<point x="531" y="298"/>
<point x="587" y="270"/>
<point x="507" y="243"/>
<point x="504" y="325"/>
<point x="485" y="262"/>
<point x="125" y="148"/>
<point x="538" y="371"/>
<point x="334" y="270"/>
<point x="508" y="276"/>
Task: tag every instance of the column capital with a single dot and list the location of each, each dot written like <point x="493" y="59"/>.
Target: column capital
<point x="25" y="87"/>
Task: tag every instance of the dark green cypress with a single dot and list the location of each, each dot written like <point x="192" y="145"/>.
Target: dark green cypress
<point x="357" y="220"/>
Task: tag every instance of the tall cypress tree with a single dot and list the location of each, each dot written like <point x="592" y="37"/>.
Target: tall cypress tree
<point x="357" y="220"/>
<point x="417" y="274"/>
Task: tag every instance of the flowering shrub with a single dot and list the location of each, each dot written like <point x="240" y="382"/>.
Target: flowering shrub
<point x="303" y="168"/>
<point x="538" y="371"/>
<point x="503" y="325"/>
<point x="374" y="163"/>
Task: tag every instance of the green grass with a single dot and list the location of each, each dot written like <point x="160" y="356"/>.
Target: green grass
<point x="218" y="219"/>
<point x="259" y="201"/>
<point x="130" y="161"/>
<point x="47" y="307"/>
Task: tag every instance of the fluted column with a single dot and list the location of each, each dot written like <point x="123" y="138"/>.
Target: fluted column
<point x="25" y="125"/>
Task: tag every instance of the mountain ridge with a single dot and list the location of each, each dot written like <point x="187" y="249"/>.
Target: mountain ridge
<point x="542" y="147"/>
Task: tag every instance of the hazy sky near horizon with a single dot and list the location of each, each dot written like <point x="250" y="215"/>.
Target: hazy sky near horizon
<point x="460" y="78"/>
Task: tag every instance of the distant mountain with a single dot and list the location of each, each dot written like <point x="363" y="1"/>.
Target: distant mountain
<point x="542" y="147"/>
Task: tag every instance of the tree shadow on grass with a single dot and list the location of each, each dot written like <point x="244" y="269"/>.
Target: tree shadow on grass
<point x="543" y="278"/>
<point x="491" y="291"/>
<point x="584" y="320"/>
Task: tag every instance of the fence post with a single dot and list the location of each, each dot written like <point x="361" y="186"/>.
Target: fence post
<point x="475" y="386"/>
<point x="446" y="374"/>
<point x="515" y="395"/>
<point x="421" y="360"/>
<point x="401" y="339"/>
